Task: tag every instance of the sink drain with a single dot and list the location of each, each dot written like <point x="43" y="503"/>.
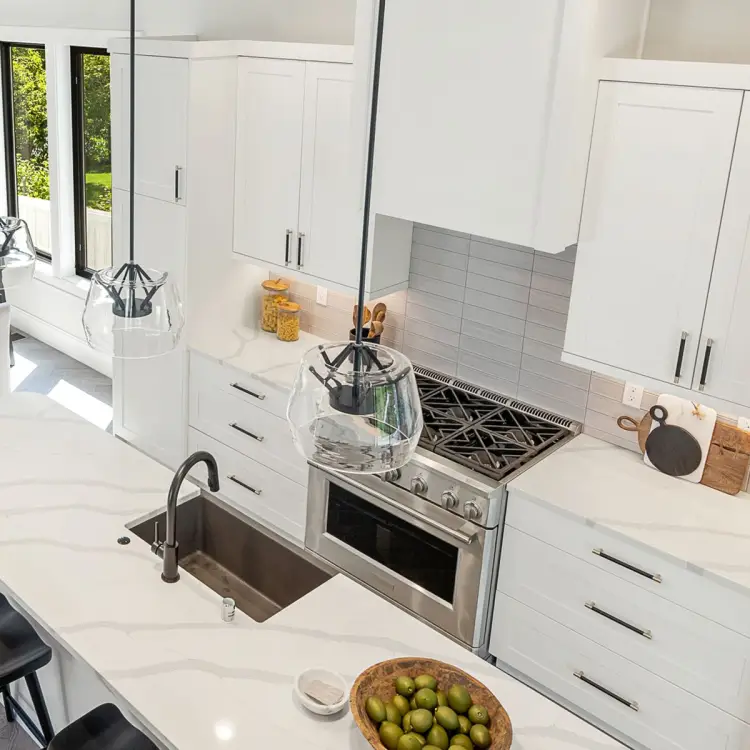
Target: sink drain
<point x="124" y="540"/>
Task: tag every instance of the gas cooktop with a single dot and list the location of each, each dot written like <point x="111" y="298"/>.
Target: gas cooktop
<point x="484" y="431"/>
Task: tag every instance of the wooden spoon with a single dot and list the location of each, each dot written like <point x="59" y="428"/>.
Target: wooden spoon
<point x="366" y="317"/>
<point x="379" y="312"/>
<point x="376" y="329"/>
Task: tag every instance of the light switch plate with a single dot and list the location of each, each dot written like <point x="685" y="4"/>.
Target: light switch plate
<point x="744" y="423"/>
<point x="632" y="395"/>
<point x="322" y="296"/>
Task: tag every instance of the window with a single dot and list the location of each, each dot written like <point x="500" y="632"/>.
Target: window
<point x="24" y="95"/>
<point x="92" y="159"/>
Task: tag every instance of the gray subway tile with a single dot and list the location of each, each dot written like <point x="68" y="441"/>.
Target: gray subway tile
<point x="436" y="271"/>
<point x="499" y="288"/>
<point x="496" y="304"/>
<point x="493" y="319"/>
<point x="548" y="301"/>
<point x="568" y="393"/>
<point x="551" y="336"/>
<point x="431" y="346"/>
<point x="501" y="243"/>
<point x="492" y="334"/>
<point x="612" y="408"/>
<point x="508" y="256"/>
<point x="419" y="357"/>
<point x="432" y="331"/>
<point x="436" y="255"/>
<point x="494" y="352"/>
<point x="500" y="271"/>
<point x="543" y="351"/>
<point x="551" y="284"/>
<point x="550" y="403"/>
<point x="547" y="318"/>
<point x="490" y="382"/>
<point x="550" y="265"/>
<point x="433" y="286"/>
<point x="445" y="241"/>
<point x="436" y="317"/>
<point x="607" y="387"/>
<point x="440" y="230"/>
<point x="631" y="443"/>
<point x="560" y="373"/>
<point x="450" y="307"/>
<point x="489" y="366"/>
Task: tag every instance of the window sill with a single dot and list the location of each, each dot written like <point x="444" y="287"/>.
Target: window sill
<point x="75" y="285"/>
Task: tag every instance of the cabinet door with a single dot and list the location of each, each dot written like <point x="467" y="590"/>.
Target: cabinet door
<point x="727" y="371"/>
<point x="658" y="173"/>
<point x="269" y="148"/>
<point x="326" y="247"/>
<point x="150" y="398"/>
<point x="162" y="89"/>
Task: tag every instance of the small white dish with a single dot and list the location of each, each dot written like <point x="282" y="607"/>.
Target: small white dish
<point x="324" y="675"/>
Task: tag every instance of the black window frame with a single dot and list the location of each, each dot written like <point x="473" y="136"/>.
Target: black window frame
<point x="9" y="127"/>
<point x="79" y="160"/>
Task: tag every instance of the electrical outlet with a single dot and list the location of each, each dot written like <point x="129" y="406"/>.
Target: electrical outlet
<point x="744" y="423"/>
<point x="322" y="296"/>
<point x="632" y="395"/>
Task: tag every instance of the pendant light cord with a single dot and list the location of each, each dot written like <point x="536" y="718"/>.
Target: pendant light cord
<point x="370" y="165"/>
<point x="132" y="131"/>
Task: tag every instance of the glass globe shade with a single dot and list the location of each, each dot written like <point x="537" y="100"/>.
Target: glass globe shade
<point x="17" y="253"/>
<point x="355" y="410"/>
<point x="133" y="312"/>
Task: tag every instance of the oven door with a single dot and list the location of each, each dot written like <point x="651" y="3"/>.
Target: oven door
<point x="414" y="552"/>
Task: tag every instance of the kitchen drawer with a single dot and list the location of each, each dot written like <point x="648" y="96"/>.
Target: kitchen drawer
<point x="660" y="716"/>
<point x="694" y="653"/>
<point x="268" y="497"/>
<point x="253" y="432"/>
<point x="653" y="572"/>
<point x="205" y="373"/>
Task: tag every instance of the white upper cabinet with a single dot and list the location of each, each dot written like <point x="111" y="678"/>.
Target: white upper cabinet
<point x="658" y="172"/>
<point x="269" y="147"/>
<point x="486" y="108"/>
<point x="161" y="111"/>
<point x="723" y="368"/>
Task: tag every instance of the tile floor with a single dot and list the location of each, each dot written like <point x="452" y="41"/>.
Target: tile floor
<point x="41" y="369"/>
<point x="13" y="737"/>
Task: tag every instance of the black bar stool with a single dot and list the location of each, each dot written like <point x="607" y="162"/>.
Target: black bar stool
<point x="104" y="728"/>
<point x="22" y="653"/>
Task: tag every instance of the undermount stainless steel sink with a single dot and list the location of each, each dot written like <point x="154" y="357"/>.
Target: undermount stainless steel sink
<point x="237" y="560"/>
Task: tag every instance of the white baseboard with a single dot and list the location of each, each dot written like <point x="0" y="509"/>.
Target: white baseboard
<point x="61" y="340"/>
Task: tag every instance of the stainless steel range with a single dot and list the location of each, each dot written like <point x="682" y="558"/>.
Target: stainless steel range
<point x="428" y="535"/>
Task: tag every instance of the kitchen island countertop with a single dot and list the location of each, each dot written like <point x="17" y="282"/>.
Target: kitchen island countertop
<point x="196" y="683"/>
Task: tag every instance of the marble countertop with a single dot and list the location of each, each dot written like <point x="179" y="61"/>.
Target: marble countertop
<point x="611" y="488"/>
<point x="68" y="490"/>
<point x="255" y="352"/>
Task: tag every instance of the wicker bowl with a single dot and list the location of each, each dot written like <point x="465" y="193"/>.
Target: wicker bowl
<point x="378" y="680"/>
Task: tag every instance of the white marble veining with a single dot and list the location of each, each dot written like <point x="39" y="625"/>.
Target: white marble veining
<point x="66" y="492"/>
<point x="611" y="488"/>
<point x="255" y="352"/>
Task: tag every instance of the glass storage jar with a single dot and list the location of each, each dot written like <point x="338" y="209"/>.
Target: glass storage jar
<point x="288" y="321"/>
<point x="275" y="291"/>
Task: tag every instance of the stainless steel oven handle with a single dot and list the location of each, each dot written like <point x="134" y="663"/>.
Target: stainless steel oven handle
<point x="457" y="536"/>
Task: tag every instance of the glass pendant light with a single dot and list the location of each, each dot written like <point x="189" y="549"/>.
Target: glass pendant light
<point x="132" y="312"/>
<point x="17" y="253"/>
<point x="355" y="405"/>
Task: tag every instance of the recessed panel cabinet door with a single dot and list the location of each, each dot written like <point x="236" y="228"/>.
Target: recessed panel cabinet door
<point x="269" y="148"/>
<point x="161" y="108"/>
<point x="723" y="368"/>
<point x="658" y="173"/>
<point x="326" y="245"/>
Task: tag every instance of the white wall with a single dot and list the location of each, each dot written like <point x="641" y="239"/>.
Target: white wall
<point x="322" y="21"/>
<point x="710" y="30"/>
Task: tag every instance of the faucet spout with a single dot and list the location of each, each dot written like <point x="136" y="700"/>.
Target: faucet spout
<point x="170" y="572"/>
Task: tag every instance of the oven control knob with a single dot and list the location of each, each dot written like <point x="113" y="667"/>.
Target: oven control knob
<point x="472" y="512"/>
<point x="392" y="475"/>
<point x="450" y="499"/>
<point x="418" y="485"/>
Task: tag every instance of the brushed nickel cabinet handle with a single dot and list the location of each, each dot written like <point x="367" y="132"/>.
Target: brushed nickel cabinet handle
<point x="252" y="435"/>
<point x="706" y="360"/>
<point x="651" y="576"/>
<point x="625" y="702"/>
<point x="287" y="251"/>
<point x="177" y="180"/>
<point x="233" y="478"/>
<point x="680" y="357"/>
<point x="248" y="392"/>
<point x="300" y="244"/>
<point x="613" y="618"/>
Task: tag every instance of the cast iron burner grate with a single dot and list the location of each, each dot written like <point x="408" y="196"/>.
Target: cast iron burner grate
<point x="484" y="435"/>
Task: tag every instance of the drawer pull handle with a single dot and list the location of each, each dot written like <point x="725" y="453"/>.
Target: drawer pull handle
<point x="252" y="435"/>
<point x="652" y="576"/>
<point x="592" y="606"/>
<point x="233" y="478"/>
<point x="625" y="702"/>
<point x="248" y="392"/>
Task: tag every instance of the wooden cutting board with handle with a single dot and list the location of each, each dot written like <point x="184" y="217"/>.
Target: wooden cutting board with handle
<point x="728" y="455"/>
